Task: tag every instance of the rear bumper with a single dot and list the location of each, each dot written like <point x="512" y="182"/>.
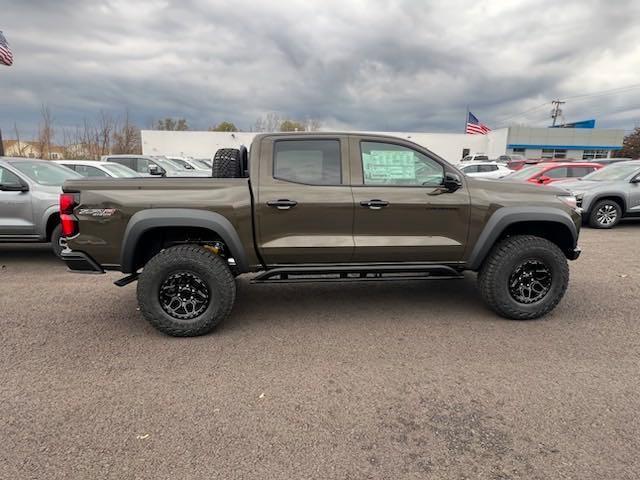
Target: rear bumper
<point x="80" y="262"/>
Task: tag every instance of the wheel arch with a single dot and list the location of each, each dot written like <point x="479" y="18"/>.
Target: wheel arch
<point x="551" y="223"/>
<point x="51" y="220"/>
<point x="147" y="221"/>
<point x="618" y="198"/>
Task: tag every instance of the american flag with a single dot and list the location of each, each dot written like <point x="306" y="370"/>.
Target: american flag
<point x="474" y="125"/>
<point x="6" y="57"/>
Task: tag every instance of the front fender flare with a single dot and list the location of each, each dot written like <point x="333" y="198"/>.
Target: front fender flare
<point x="506" y="216"/>
<point x="145" y="220"/>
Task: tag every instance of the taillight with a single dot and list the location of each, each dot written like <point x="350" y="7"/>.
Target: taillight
<point x="68" y="221"/>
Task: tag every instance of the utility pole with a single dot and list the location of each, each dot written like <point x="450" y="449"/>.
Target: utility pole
<point x="556" y="111"/>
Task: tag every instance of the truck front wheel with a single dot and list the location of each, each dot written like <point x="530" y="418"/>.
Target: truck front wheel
<point x="524" y="277"/>
<point x="185" y="291"/>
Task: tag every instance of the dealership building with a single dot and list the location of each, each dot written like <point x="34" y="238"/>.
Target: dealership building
<point x="531" y="142"/>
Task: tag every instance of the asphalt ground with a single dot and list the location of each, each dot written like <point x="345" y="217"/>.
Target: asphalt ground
<point x="328" y="381"/>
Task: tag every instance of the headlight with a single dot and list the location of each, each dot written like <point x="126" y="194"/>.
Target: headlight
<point x="570" y="200"/>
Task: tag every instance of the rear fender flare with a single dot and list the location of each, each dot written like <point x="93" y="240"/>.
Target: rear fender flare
<point x="145" y="220"/>
<point x="506" y="216"/>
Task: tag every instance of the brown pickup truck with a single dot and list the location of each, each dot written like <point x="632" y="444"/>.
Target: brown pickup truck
<point x="319" y="207"/>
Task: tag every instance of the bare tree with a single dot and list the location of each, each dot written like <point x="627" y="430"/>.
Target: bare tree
<point x="21" y="148"/>
<point x="45" y="133"/>
<point x="269" y="123"/>
<point x="126" y="138"/>
<point x="106" y="127"/>
<point x="179" y="124"/>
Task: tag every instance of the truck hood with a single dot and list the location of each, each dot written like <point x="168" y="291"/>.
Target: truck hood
<point x="580" y="186"/>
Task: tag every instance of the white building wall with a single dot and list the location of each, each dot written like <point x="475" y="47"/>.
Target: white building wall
<point x="204" y="144"/>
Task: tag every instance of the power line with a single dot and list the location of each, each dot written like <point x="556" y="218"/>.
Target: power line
<point x="600" y="93"/>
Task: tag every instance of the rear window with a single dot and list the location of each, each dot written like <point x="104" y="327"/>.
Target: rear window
<point x="560" y="172"/>
<point x="313" y="162"/>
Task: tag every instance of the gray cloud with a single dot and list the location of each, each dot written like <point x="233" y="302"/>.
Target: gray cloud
<point x="396" y="65"/>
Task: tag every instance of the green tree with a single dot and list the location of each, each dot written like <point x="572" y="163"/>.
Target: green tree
<point x="631" y="145"/>
<point x="177" y="124"/>
<point x="224" y="127"/>
<point x="292" y="126"/>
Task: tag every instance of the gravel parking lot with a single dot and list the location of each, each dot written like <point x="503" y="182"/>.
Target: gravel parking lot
<point x="375" y="380"/>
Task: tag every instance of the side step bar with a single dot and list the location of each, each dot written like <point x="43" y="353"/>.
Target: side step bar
<point x="356" y="273"/>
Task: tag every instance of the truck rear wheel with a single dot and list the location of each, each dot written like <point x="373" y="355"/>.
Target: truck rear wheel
<point x="227" y="163"/>
<point x="185" y="291"/>
<point x="524" y="277"/>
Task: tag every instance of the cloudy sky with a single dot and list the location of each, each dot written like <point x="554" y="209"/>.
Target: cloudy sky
<point x="353" y="64"/>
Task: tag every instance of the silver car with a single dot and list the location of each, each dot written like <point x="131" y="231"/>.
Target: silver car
<point x="609" y="194"/>
<point x="29" y="195"/>
<point x="154" y="165"/>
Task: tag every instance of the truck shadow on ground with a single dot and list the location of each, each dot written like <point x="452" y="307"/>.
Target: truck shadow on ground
<point x="367" y="301"/>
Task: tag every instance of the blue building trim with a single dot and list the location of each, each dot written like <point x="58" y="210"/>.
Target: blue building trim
<point x="567" y="147"/>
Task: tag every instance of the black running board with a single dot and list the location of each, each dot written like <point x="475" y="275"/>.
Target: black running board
<point x="357" y="273"/>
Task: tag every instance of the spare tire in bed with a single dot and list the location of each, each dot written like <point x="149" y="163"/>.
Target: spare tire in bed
<point x="227" y="163"/>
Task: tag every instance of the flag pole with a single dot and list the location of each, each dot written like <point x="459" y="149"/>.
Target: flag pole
<point x="466" y="119"/>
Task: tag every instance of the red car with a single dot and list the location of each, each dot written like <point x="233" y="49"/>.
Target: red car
<point x="544" y="173"/>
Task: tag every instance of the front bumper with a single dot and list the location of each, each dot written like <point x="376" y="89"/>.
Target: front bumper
<point x="80" y="262"/>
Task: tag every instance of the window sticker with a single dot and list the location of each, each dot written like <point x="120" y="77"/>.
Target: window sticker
<point x="381" y="165"/>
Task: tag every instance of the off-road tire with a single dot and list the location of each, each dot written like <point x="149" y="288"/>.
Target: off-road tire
<point x="501" y="263"/>
<point x="227" y="163"/>
<point x="606" y="203"/>
<point x="56" y="234"/>
<point x="210" y="268"/>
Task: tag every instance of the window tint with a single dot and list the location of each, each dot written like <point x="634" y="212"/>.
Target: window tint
<point x="8" y="178"/>
<point x="389" y="164"/>
<point x="315" y="162"/>
<point x="560" y="172"/>
<point x="487" y="168"/>
<point x="470" y="169"/>
<point x="88" y="171"/>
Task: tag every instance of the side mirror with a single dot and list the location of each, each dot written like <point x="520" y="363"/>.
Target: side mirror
<point x="14" y="187"/>
<point x="544" y="179"/>
<point x="156" y="170"/>
<point x="452" y="181"/>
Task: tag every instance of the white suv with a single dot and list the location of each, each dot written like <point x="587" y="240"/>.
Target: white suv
<point x="485" y="169"/>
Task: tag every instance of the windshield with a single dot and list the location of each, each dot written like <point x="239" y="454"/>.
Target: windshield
<point x="202" y="163"/>
<point x="614" y="171"/>
<point x="523" y="174"/>
<point x="181" y="163"/>
<point x="119" y="171"/>
<point x="45" y="173"/>
<point x="168" y="165"/>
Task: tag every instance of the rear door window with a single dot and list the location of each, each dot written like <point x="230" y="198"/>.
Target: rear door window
<point x="488" y="168"/>
<point x="311" y="162"/>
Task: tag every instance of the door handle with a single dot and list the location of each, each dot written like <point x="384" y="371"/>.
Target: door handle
<point x="282" y="204"/>
<point x="374" y="204"/>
